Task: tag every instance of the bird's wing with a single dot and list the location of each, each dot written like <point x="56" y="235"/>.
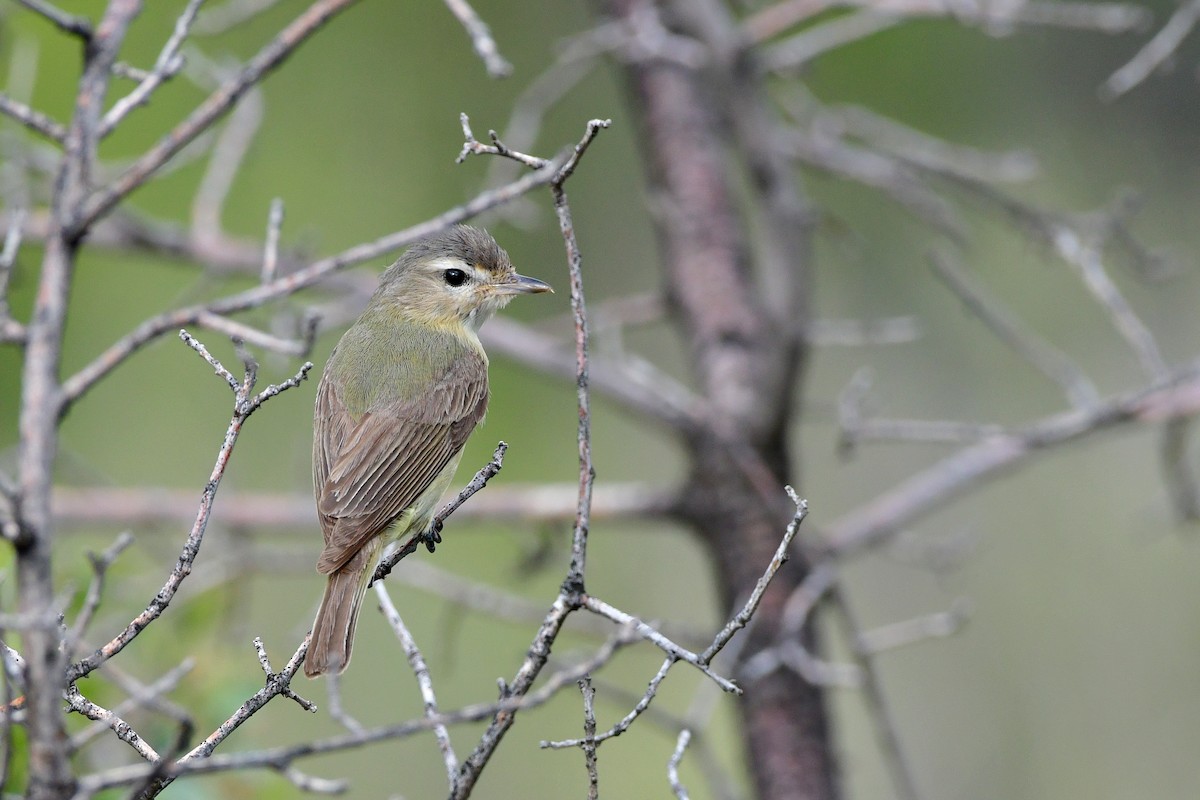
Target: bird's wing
<point x="369" y="471"/>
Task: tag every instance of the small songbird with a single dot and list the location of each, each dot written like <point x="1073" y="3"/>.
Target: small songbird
<point x="401" y="393"/>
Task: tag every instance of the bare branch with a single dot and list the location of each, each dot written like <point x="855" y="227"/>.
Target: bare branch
<point x="281" y="758"/>
<point x="589" y="736"/>
<point x="244" y="406"/>
<point x="913" y="631"/>
<point x="230" y="15"/>
<point x="150" y="696"/>
<point x="685" y="736"/>
<point x="885" y="726"/>
<point x="224" y="162"/>
<point x="1175" y="397"/>
<point x="793" y="53"/>
<point x="270" y="261"/>
<point x="1154" y="53"/>
<point x="102" y="201"/>
<point x="640" y="707"/>
<point x="481" y="38"/>
<point x="570" y="596"/>
<point x="1086" y="258"/>
<point x="67" y="23"/>
<point x="417" y="661"/>
<point x="81" y="705"/>
<point x="666" y="401"/>
<point x="531" y="503"/>
<point x="781" y="555"/>
<point x="923" y="150"/>
<point x="432" y="537"/>
<point x="1102" y="17"/>
<point x="473" y="147"/>
<point x="1041" y="354"/>
<point x="10" y="329"/>
<point x="33" y="119"/>
<point x="167" y="65"/>
<point x="862" y="332"/>
<point x="100" y="565"/>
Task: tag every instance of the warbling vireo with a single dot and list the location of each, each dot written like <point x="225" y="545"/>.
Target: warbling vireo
<point x="401" y="393"/>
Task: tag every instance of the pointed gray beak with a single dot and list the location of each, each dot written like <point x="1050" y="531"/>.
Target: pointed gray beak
<point x="523" y="285"/>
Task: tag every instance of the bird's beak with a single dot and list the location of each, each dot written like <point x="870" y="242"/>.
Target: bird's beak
<point x="523" y="285"/>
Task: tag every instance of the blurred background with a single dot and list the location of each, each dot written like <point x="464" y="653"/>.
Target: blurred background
<point x="1076" y="674"/>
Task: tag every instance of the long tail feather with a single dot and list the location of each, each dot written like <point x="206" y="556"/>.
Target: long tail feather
<point x="333" y="628"/>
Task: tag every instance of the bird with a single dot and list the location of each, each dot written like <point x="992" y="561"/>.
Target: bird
<point x="398" y="398"/>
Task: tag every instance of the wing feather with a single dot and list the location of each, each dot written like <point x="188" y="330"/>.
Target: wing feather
<point x="367" y="472"/>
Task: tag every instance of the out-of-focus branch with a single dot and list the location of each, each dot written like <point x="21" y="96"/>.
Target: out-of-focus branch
<point x="531" y="503"/>
<point x="167" y="65"/>
<point x="481" y="38"/>
<point x="1177" y="396"/>
<point x="653" y="395"/>
<point x="67" y="23"/>
<point x="10" y="329"/>
<point x="1041" y="354"/>
<point x="103" y="200"/>
<point x="1102" y="17"/>
<point x="1154" y="53"/>
<point x="218" y="19"/>
<point x="33" y="119"/>
<point x="126" y="230"/>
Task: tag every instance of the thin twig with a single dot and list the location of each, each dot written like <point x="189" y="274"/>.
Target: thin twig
<point x="244" y="406"/>
<point x="685" y="736"/>
<point x="432" y="536"/>
<point x="588" y="744"/>
<point x="281" y="758"/>
<point x="167" y="65"/>
<point x="33" y="119"/>
<point x="150" y="696"/>
<point x="1041" y="354"/>
<point x="81" y="705"/>
<point x="421" y="670"/>
<point x="571" y="593"/>
<point x="103" y="200"/>
<point x="100" y="564"/>
<point x="1154" y="53"/>
<point x="67" y="23"/>
<point x="884" y="723"/>
<point x="270" y="261"/>
<point x="481" y="38"/>
<point x="1174" y="397"/>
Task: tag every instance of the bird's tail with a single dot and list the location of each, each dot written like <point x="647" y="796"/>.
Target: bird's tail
<point x="333" y="629"/>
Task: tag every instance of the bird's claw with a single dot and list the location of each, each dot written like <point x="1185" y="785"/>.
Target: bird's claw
<point x="433" y="536"/>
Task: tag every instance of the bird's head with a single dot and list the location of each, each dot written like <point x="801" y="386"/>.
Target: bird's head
<point x="458" y="277"/>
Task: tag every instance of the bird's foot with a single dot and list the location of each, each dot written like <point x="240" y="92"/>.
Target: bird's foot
<point x="433" y="536"/>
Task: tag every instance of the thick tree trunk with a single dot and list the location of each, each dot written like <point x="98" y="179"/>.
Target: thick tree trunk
<point x="746" y="357"/>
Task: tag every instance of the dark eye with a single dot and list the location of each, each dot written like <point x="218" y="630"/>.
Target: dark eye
<point x="455" y="277"/>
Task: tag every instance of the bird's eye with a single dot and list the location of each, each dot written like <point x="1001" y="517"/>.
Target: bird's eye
<point x="455" y="277"/>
